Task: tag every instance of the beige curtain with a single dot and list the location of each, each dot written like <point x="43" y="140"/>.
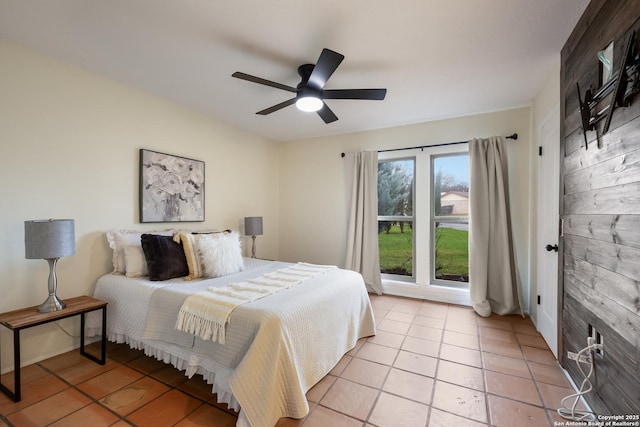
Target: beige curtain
<point x="493" y="277"/>
<point x="362" y="231"/>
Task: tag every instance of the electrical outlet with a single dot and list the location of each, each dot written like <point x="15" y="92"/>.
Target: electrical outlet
<point x="592" y="336"/>
<point x="600" y="340"/>
<point x="584" y="358"/>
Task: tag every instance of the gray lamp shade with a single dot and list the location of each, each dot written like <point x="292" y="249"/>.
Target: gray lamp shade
<point x="49" y="238"/>
<point x="253" y="226"/>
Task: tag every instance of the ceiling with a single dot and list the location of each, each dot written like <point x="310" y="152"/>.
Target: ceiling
<point x="437" y="58"/>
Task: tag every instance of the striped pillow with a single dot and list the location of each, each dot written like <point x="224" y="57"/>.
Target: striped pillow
<point x="190" y="246"/>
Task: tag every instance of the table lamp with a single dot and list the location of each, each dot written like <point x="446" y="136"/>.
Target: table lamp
<point x="253" y="228"/>
<point x="50" y="239"/>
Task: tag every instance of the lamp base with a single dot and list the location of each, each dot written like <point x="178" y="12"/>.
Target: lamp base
<point x="53" y="303"/>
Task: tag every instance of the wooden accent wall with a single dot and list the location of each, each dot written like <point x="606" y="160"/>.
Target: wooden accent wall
<point x="600" y="205"/>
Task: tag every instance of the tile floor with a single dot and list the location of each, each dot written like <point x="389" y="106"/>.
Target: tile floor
<point x="430" y="364"/>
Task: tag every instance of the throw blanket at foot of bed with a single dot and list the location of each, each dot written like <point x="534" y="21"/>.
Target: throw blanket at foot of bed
<point x="206" y="313"/>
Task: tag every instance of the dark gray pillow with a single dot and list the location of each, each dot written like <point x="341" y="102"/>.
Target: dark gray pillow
<point x="165" y="258"/>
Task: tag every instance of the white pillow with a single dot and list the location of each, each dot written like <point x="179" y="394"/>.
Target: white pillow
<point x="220" y="254"/>
<point x="119" y="239"/>
<point x="136" y="264"/>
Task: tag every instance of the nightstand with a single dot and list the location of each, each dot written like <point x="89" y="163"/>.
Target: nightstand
<point x="27" y="317"/>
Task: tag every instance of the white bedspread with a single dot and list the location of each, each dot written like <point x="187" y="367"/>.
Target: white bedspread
<point x="276" y="348"/>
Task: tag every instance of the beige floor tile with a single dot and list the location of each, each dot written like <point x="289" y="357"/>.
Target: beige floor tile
<point x="394" y="411"/>
<point x="431" y="322"/>
<point x="425" y="333"/>
<point x="552" y="396"/>
<point x="495" y="322"/>
<point x="462" y="401"/>
<point x="462" y="375"/>
<point x="349" y="398"/>
<point x="438" y="418"/>
<point x="508" y="413"/>
<point x="497" y="334"/>
<point x="50" y="409"/>
<point x="323" y="417"/>
<point x="342" y="363"/>
<point x="407" y="384"/>
<point x="208" y="416"/>
<point x="32" y="392"/>
<point x="377" y="353"/>
<point x="462" y="355"/>
<point x="394" y="326"/>
<point x="461" y="340"/>
<point x="318" y="391"/>
<point x="416" y="363"/>
<point x="506" y="365"/>
<point x="421" y="346"/>
<point x="98" y="387"/>
<point x="407" y="305"/>
<point x="91" y="415"/>
<point x="399" y="316"/>
<point x="550" y="374"/>
<point x="135" y="395"/>
<point x="516" y="388"/>
<point x="539" y="355"/>
<point x="463" y="328"/>
<point x="365" y="372"/>
<point x="462" y="315"/>
<point x="437" y="311"/>
<point x="503" y="348"/>
<point x="166" y="410"/>
<point x="389" y="339"/>
<point x="532" y="341"/>
<point x="524" y="328"/>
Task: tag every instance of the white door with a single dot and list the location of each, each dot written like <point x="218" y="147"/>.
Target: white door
<point x="548" y="228"/>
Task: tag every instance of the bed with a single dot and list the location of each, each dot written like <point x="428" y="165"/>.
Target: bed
<point x="276" y="348"/>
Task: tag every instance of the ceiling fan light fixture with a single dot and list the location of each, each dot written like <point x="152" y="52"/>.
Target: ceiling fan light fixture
<point x="309" y="103"/>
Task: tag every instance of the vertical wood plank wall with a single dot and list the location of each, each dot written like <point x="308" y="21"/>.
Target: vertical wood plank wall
<point x="601" y="209"/>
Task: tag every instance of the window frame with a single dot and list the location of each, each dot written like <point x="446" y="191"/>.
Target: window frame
<point x="422" y="284"/>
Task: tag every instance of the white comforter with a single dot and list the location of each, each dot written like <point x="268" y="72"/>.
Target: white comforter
<point x="276" y="347"/>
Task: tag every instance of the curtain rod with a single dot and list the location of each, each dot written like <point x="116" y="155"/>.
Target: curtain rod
<point x="422" y="147"/>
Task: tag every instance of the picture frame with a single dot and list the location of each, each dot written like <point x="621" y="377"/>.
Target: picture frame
<point x="171" y="188"/>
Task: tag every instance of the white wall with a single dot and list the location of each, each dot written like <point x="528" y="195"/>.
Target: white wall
<point x="69" y="149"/>
<point x="313" y="205"/>
<point x="544" y="103"/>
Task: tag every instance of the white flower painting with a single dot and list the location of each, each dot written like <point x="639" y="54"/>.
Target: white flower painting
<point x="171" y="188"/>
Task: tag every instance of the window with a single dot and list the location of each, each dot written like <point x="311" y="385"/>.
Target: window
<point x="450" y="218"/>
<point x="423" y="217"/>
<point x="395" y="216"/>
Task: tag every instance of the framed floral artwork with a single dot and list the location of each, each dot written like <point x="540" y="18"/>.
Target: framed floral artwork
<point x="171" y="188"/>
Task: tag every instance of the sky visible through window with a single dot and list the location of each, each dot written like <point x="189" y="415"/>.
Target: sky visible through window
<point x="456" y="166"/>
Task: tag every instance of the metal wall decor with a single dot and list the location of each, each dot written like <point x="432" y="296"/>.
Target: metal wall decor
<point x="620" y="88"/>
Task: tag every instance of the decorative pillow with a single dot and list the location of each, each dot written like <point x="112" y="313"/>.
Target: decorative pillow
<point x="136" y="265"/>
<point x="190" y="247"/>
<point x="220" y="254"/>
<point x="165" y="258"/>
<point x="119" y="239"/>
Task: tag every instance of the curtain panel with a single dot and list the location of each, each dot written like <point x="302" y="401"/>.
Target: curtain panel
<point x="362" y="231"/>
<point x="493" y="277"/>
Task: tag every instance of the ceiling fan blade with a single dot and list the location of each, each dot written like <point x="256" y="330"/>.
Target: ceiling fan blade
<point x="372" y="94"/>
<point x="326" y="114"/>
<point x="277" y="107"/>
<point x="324" y="68"/>
<point x="262" y="81"/>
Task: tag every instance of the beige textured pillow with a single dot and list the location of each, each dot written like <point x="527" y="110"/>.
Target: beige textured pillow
<point x="190" y="246"/>
<point x="135" y="263"/>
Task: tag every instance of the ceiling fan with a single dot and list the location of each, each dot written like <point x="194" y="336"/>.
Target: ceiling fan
<point x="310" y="92"/>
